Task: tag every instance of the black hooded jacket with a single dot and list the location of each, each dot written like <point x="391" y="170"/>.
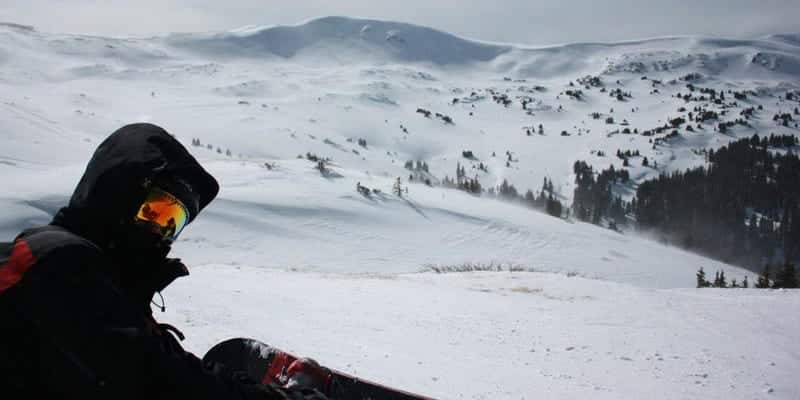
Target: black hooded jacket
<point x="74" y="298"/>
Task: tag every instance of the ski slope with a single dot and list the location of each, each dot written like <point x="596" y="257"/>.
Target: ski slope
<point x="304" y="262"/>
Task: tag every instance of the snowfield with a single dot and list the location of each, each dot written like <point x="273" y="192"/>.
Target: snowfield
<point x="302" y="261"/>
<point x="505" y="335"/>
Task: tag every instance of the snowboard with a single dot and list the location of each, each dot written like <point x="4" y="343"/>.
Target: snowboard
<point x="268" y="365"/>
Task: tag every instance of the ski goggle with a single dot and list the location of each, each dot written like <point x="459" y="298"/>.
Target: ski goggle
<point x="163" y="213"/>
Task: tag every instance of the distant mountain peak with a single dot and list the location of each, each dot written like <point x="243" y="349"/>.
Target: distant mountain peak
<point x="392" y="41"/>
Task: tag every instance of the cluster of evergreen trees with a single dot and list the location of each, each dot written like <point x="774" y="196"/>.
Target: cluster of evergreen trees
<point x="419" y="171"/>
<point x="719" y="281"/>
<point x="462" y="182"/>
<point x="743" y="208"/>
<point x="196" y="143"/>
<point x="505" y="191"/>
<point x="546" y="200"/>
<point x="593" y="200"/>
<point x="786" y="278"/>
<point x="783" y="118"/>
<point x="416" y="166"/>
<point x="778" y="141"/>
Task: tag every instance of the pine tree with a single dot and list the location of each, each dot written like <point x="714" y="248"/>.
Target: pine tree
<point x="763" y="279"/>
<point x="722" y="282"/>
<point x="553" y="206"/>
<point x="701" y="279"/>
<point x="459" y="176"/>
<point x="745" y="283"/>
<point x="529" y="198"/>
<point x="398" y="188"/>
<point x="321" y="167"/>
<point x="476" y="186"/>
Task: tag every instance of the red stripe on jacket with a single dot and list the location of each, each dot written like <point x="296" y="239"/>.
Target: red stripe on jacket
<point x="21" y="261"/>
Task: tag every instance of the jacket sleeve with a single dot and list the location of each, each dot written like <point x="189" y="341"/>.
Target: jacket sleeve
<point x="100" y="346"/>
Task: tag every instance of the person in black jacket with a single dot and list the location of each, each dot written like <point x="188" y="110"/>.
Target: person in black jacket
<point x="75" y="295"/>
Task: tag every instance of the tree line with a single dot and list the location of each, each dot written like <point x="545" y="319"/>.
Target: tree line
<point x="593" y="200"/>
<point x="742" y="208"/>
<point x="785" y="278"/>
<point x="545" y="200"/>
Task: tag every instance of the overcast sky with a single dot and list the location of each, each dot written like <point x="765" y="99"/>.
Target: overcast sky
<point x="520" y="21"/>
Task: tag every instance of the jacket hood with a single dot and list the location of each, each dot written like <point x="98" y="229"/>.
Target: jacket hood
<point x="116" y="179"/>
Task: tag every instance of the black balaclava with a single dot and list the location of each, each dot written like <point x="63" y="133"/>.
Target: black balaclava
<point x="142" y="253"/>
<point x="116" y="181"/>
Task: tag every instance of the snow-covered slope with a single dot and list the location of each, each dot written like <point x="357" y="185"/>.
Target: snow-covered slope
<point x="606" y="304"/>
<point x="343" y="39"/>
<point x="506" y="335"/>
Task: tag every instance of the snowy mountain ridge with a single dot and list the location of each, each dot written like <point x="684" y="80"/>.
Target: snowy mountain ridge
<point x="384" y="41"/>
<point x="346" y="40"/>
<point x="333" y="35"/>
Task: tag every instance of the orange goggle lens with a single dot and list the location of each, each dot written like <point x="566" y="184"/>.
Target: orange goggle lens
<point x="164" y="212"/>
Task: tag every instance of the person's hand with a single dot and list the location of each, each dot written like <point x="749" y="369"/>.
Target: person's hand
<point x="305" y="373"/>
